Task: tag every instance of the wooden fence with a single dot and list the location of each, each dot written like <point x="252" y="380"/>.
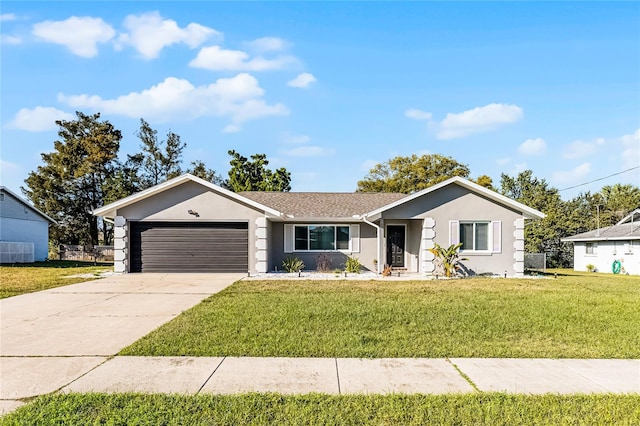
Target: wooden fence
<point x="86" y="253"/>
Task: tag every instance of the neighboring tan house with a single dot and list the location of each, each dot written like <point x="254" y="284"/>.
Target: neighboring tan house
<point x="24" y="230"/>
<point x="610" y="249"/>
<point x="188" y="224"/>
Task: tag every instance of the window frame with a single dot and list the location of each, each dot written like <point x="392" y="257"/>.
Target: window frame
<point x="335" y="227"/>
<point x="489" y="240"/>
<point x="594" y="248"/>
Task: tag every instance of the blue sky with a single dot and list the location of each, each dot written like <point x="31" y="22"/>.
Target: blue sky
<point x="329" y="89"/>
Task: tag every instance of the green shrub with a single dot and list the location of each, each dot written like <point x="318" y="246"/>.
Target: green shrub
<point x="352" y="265"/>
<point x="591" y="268"/>
<point x="292" y="264"/>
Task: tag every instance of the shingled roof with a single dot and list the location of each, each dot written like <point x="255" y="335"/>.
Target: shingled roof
<point x="626" y="231"/>
<point x="323" y="204"/>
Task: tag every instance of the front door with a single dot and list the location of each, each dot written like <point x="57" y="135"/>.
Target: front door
<point x="395" y="246"/>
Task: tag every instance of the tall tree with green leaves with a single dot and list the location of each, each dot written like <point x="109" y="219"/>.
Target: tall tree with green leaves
<point x="125" y="180"/>
<point x="199" y="169"/>
<point x="253" y="175"/>
<point x="70" y="183"/>
<point x="616" y="201"/>
<point x="485" y="181"/>
<point x="541" y="236"/>
<point x="161" y="159"/>
<point x="411" y="174"/>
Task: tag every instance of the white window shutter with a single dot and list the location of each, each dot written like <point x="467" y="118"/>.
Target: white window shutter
<point x="496" y="236"/>
<point x="354" y="235"/>
<point x="288" y="238"/>
<point x="454" y="232"/>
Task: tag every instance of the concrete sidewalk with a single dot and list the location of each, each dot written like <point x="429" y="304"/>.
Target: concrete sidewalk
<point x="65" y="339"/>
<point x="50" y="338"/>
<point x="228" y="375"/>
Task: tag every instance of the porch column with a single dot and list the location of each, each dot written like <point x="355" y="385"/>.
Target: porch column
<point x="261" y="245"/>
<point x="120" y="243"/>
<point x="428" y="234"/>
<point x="518" y="247"/>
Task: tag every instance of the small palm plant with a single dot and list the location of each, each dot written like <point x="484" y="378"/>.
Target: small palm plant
<point x="292" y="264"/>
<point x="352" y="265"/>
<point x="449" y="257"/>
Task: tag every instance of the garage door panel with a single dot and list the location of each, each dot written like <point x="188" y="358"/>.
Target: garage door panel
<point x="189" y="247"/>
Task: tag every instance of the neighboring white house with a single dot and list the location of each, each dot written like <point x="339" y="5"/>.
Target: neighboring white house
<point x="24" y="230"/>
<point x="610" y="249"/>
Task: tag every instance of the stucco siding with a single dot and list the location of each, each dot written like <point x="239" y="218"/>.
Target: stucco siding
<point x="457" y="203"/>
<point x="34" y="231"/>
<point x="606" y="253"/>
<point x="366" y="255"/>
<point x="173" y="205"/>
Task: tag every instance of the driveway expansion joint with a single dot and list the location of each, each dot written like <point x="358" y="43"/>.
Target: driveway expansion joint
<point x="338" y="376"/>
<point x="211" y="375"/>
<point x="463" y="375"/>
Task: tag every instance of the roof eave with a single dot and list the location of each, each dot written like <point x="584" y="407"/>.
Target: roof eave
<point x="23" y="201"/>
<point x="526" y="211"/>
<point x="600" y="238"/>
<point x="322" y="219"/>
<point x="111" y="209"/>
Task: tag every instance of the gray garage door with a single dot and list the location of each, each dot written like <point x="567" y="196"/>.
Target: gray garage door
<point x="189" y="247"/>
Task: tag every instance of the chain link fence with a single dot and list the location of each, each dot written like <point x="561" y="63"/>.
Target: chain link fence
<point x="535" y="262"/>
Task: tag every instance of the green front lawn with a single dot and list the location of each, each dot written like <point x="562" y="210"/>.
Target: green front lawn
<point x="315" y="409"/>
<point x="567" y="317"/>
<point x="27" y="278"/>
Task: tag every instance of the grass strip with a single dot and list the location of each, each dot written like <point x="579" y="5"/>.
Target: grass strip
<point x="319" y="409"/>
<point x="567" y="317"/>
<point x="27" y="278"/>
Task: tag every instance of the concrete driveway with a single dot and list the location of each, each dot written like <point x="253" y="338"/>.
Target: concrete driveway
<point x="52" y="337"/>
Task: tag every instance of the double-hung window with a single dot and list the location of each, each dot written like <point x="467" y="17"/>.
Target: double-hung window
<point x="481" y="236"/>
<point x="591" y="248"/>
<point x="322" y="237"/>
<point x="474" y="236"/>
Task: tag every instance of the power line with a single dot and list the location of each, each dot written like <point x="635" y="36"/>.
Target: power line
<point x="602" y="178"/>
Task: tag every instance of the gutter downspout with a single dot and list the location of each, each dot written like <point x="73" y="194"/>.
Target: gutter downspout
<point x="378" y="237"/>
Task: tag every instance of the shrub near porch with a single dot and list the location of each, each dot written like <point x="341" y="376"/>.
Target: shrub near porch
<point x="567" y="317"/>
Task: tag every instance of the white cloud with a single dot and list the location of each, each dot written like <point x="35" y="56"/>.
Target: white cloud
<point x="8" y="166"/>
<point x="302" y="80"/>
<point x="535" y="146"/>
<point x="578" y="148"/>
<point x="9" y="39"/>
<point x="267" y="44"/>
<point x="38" y="119"/>
<point x="149" y="34"/>
<point x="631" y="149"/>
<point x="214" y="58"/>
<point x="477" y="120"/>
<point x="503" y="161"/>
<point x="239" y="98"/>
<point x="309" y="151"/>
<point x="5" y="17"/>
<point x="417" y="114"/>
<point x="574" y="175"/>
<point x="289" y="138"/>
<point x="232" y="128"/>
<point x="80" y="35"/>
